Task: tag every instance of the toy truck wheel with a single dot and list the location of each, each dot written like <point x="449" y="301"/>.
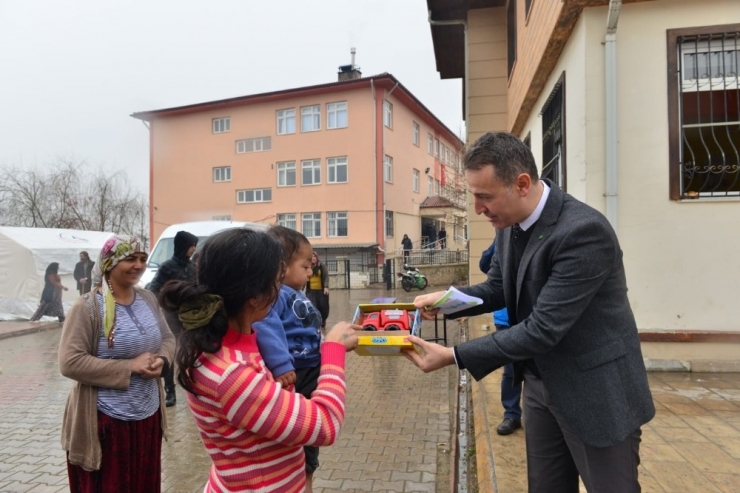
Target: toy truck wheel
<point x="392" y="327"/>
<point x="368" y="327"/>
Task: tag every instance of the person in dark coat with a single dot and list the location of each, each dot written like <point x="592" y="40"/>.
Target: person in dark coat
<point x="177" y="268"/>
<point x="407" y="246"/>
<point x="83" y="273"/>
<point x="442" y="238"/>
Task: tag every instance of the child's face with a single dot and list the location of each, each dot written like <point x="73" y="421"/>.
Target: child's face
<point x="299" y="269"/>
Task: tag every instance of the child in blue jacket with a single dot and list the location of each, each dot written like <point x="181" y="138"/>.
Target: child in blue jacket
<point x="289" y="338"/>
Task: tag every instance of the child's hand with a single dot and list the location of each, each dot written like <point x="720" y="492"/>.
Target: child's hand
<point x="344" y="333"/>
<point x="286" y="379"/>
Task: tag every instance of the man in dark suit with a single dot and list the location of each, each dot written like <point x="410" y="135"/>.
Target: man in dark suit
<point x="573" y="338"/>
<point x="83" y="273"/>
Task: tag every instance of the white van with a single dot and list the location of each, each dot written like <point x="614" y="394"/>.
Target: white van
<point x="165" y="247"/>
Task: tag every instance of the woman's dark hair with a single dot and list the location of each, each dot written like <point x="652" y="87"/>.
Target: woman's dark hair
<point x="237" y="264"/>
<point x="508" y="155"/>
<point x="291" y="240"/>
<point x="53" y="268"/>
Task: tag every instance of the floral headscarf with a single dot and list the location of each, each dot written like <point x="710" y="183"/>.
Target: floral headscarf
<point x="117" y="248"/>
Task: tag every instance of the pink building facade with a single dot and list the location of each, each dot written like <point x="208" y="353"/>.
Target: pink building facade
<point x="353" y="165"/>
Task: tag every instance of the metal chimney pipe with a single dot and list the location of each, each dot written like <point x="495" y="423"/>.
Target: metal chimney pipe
<point x="353" y="51"/>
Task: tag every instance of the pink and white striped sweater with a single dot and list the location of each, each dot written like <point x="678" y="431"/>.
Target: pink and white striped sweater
<point x="253" y="429"/>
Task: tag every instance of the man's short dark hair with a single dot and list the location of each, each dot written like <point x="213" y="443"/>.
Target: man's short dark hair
<point x="505" y="152"/>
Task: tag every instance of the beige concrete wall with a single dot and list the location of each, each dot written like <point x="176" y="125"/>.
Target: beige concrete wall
<point x="680" y="257"/>
<point x="487" y="102"/>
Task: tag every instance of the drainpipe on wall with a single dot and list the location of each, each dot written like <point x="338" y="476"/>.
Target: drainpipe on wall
<point x="375" y="155"/>
<point x="610" y="75"/>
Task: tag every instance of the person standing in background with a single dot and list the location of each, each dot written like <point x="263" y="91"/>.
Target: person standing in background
<point x="511" y="393"/>
<point x="83" y="273"/>
<point x="177" y="268"/>
<point x="442" y="238"/>
<point x="407" y="246"/>
<point x="317" y="289"/>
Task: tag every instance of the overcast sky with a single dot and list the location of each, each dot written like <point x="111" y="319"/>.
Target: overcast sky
<point x="72" y="71"/>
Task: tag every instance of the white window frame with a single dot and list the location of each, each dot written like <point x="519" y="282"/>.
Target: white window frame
<point x="314" y="166"/>
<point x="221" y="125"/>
<point x="415" y="178"/>
<point x="389" y="224"/>
<point x="333" y="114"/>
<point x="333" y="221"/>
<point x="430" y="186"/>
<point x="288" y="220"/>
<point x="332" y="166"/>
<point x="388" y="114"/>
<point x="430" y="144"/>
<point x="221" y="174"/>
<point x="314" y="218"/>
<point x="442" y="148"/>
<point x="259" y="144"/>
<point x="284" y="118"/>
<point x="415" y="132"/>
<point x="436" y="147"/>
<point x="284" y="172"/>
<point x="311" y="114"/>
<point x="258" y="195"/>
<point x="388" y="168"/>
<point x="711" y="48"/>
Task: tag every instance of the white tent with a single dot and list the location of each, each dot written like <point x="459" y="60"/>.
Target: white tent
<point x="24" y="255"/>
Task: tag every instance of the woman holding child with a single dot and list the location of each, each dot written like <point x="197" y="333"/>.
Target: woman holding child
<point x="252" y="427"/>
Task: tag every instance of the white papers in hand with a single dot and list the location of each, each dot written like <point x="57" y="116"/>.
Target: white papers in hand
<point x="453" y="301"/>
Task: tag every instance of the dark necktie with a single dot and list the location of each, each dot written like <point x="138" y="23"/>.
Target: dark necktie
<point x="517" y="231"/>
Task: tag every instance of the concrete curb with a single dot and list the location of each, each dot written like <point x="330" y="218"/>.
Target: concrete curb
<point x="486" y="475"/>
<point x="30" y="330"/>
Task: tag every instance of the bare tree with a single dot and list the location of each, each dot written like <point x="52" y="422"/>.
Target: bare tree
<point x="66" y="194"/>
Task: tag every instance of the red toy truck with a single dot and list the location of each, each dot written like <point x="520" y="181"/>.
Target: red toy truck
<point x="389" y="320"/>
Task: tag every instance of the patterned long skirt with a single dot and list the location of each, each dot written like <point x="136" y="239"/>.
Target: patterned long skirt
<point x="49" y="309"/>
<point x="132" y="458"/>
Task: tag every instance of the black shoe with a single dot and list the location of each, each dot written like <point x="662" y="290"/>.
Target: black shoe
<point x="508" y="426"/>
<point x="170" y="399"/>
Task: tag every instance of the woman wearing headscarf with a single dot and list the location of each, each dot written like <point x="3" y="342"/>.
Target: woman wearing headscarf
<point x="51" y="296"/>
<point x="115" y="344"/>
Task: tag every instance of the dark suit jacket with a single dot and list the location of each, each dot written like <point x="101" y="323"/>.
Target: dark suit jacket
<point x="81" y="273"/>
<point x="570" y="298"/>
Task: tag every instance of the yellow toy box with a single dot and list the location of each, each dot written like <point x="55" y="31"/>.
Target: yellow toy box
<point x="386" y="327"/>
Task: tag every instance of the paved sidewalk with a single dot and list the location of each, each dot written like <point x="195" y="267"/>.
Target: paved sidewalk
<point x="692" y="445"/>
<point x="395" y="438"/>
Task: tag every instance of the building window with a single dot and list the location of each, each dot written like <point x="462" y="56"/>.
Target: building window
<point x="553" y="135"/>
<point x="389" y="224"/>
<point x="336" y="115"/>
<point x="310" y="118"/>
<point x="415" y="175"/>
<point x="388" y="169"/>
<point x="336" y="224"/>
<point x="311" y="224"/>
<point x="387" y="114"/>
<point x="286" y="121"/>
<point x="430" y="186"/>
<point x="336" y="169"/>
<point x="222" y="174"/>
<point x="415" y="134"/>
<point x="436" y="187"/>
<point x="704" y="111"/>
<point x="430" y="144"/>
<point x="221" y="125"/>
<point x="311" y="172"/>
<point x="436" y="147"/>
<point x="253" y="145"/>
<point x="287" y="221"/>
<point x="511" y="36"/>
<point x="222" y="218"/>
<point x="255" y="195"/>
<point x="286" y="174"/>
